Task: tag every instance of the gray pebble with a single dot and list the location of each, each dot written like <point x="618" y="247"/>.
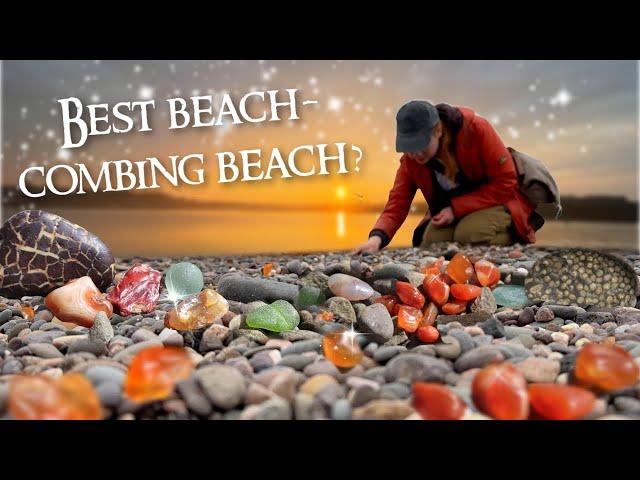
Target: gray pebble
<point x="478" y="358"/>
<point x="110" y="394"/>
<point x="341" y="410"/>
<point x="384" y="354"/>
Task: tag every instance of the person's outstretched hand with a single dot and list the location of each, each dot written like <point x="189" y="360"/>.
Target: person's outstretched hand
<point x="372" y="245"/>
<point x="445" y="217"/>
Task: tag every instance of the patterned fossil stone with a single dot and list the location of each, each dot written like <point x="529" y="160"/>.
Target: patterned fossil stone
<point x="583" y="277"/>
<point x="40" y="251"/>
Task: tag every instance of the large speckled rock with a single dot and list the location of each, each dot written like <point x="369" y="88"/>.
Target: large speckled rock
<point x="40" y="251"/>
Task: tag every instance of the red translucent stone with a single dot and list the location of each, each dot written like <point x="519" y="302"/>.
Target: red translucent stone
<point x="433" y="268"/>
<point x="428" y="334"/>
<point x="605" y="368"/>
<point x="552" y="401"/>
<point x="154" y="372"/>
<point x="342" y="349"/>
<point x="465" y="292"/>
<point x="500" y="391"/>
<point x="436" y="402"/>
<point x="390" y="302"/>
<point x="28" y="311"/>
<point x="487" y="273"/>
<point x="326" y="316"/>
<point x="409" y="318"/>
<point x="70" y="397"/>
<point x="454" y="307"/>
<point x="459" y="268"/>
<point x="437" y="288"/>
<point x="138" y="291"/>
<point x="409" y="295"/>
<point x="429" y="315"/>
<point x="78" y="301"/>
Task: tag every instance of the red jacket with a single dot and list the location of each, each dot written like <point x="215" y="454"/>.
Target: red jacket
<point x="482" y="157"/>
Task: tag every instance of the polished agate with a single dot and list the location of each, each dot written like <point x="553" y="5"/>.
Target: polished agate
<point x="351" y="288"/>
<point x="79" y="301"/>
<point x="197" y="311"/>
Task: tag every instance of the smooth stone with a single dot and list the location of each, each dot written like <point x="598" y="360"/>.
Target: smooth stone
<point x="544" y="314"/>
<point x="627" y="405"/>
<point x="363" y="394"/>
<point x="296" y="361"/>
<point x="514" y="350"/>
<point x="411" y="367"/>
<point x="478" y="358"/>
<point x="144" y="335"/>
<point x="385" y="287"/>
<point x="274" y="409"/>
<point x="351" y="288"/>
<point x="464" y="339"/>
<point x="86" y="345"/>
<point x="321" y="366"/>
<point x="383" y="409"/>
<point x="41" y="337"/>
<point x="245" y="289"/>
<point x="101" y="332"/>
<point x="394" y="390"/>
<point x="255" y="335"/>
<point x="342" y="310"/>
<point x="316" y="383"/>
<point x="384" y="354"/>
<point x="391" y="270"/>
<point x="194" y="397"/>
<point x="126" y="355"/>
<point x="110" y="394"/>
<point x="449" y="348"/>
<point x="284" y="384"/>
<point x="317" y="279"/>
<point x="98" y="374"/>
<point x="376" y="321"/>
<point x="341" y="410"/>
<point x="466" y="319"/>
<point x="223" y="385"/>
<point x="298" y="335"/>
<point x="171" y="338"/>
<point x="302" y="405"/>
<point x="312" y="345"/>
<point x="492" y="326"/>
<point x="297" y="267"/>
<point x="11" y="366"/>
<point x="257" y="393"/>
<point x="514" y="332"/>
<point x="539" y="370"/>
<point x="44" y="350"/>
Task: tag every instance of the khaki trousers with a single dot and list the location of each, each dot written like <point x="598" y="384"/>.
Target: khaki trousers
<point x="488" y="226"/>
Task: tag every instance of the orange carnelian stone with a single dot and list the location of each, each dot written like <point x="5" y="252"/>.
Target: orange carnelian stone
<point x="409" y="318"/>
<point x="433" y="268"/>
<point x="560" y="402"/>
<point x="197" y="311"/>
<point x="465" y="292"/>
<point x="487" y="273"/>
<point x="70" y="397"/>
<point x="342" y="349"/>
<point x="429" y="316"/>
<point x="28" y="311"/>
<point x="454" y="307"/>
<point x="605" y="368"/>
<point x="500" y="391"/>
<point x="154" y="372"/>
<point x="459" y="268"/>
<point x="409" y="295"/>
<point x="267" y="268"/>
<point x="436" y="402"/>
<point x="437" y="288"/>
<point x="325" y="316"/>
<point x="389" y="301"/>
<point x="78" y="301"/>
<point x="428" y="334"/>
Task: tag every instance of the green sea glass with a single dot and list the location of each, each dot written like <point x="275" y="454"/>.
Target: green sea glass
<point x="513" y="296"/>
<point x="183" y="279"/>
<point x="309" y="296"/>
<point x="280" y="316"/>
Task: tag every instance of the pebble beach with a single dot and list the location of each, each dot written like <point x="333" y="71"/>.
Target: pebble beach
<point x="244" y="373"/>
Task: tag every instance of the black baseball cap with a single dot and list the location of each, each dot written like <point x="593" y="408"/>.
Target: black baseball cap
<point x="415" y="122"/>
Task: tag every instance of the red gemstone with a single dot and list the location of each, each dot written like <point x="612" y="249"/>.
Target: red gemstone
<point x="389" y="301"/>
<point x="500" y="391"/>
<point x="433" y="268"/>
<point x="138" y="291"/>
<point x="409" y="318"/>
<point x="409" y="295"/>
<point x="605" y="368"/>
<point x="465" y="292"/>
<point x="437" y="288"/>
<point x="428" y="334"/>
<point x="454" y="307"/>
<point x="551" y="401"/>
<point x="436" y="402"/>
<point x="429" y="316"/>
<point x="487" y="273"/>
<point x="459" y="268"/>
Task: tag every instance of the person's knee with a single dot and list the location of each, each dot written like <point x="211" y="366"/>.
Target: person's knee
<point x="434" y="234"/>
<point x="488" y="226"/>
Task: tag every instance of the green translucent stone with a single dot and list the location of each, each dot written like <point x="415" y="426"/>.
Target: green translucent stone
<point x="280" y="316"/>
<point x="183" y="279"/>
<point x="308" y="296"/>
<point x="513" y="296"/>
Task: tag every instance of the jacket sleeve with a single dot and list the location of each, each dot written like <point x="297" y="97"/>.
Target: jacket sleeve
<point x="397" y="208"/>
<point x="500" y="170"/>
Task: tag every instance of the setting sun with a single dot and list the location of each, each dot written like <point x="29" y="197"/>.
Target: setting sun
<point x="341" y="192"/>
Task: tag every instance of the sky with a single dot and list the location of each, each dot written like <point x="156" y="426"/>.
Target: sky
<point x="578" y="117"/>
